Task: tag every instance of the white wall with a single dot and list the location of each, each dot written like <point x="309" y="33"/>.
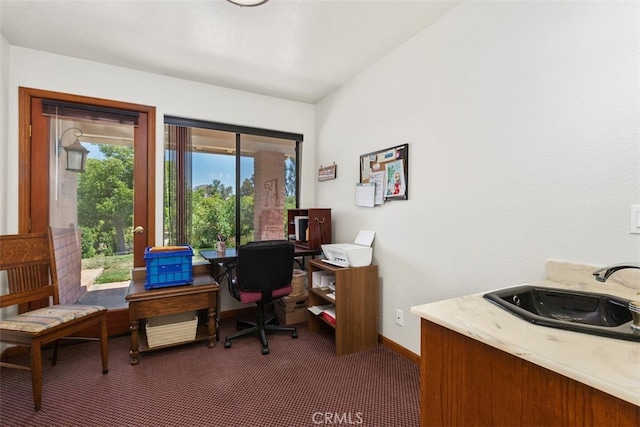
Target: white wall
<point x="4" y="112"/>
<point x="4" y="131"/>
<point x="170" y="96"/>
<point x="522" y="121"/>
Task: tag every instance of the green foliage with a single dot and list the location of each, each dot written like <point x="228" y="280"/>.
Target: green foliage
<point x="212" y="214"/>
<point x="88" y="242"/>
<point x="246" y="218"/>
<point x="117" y="268"/>
<point x="115" y="275"/>
<point x="216" y="188"/>
<point x="290" y="177"/>
<point x="289" y="203"/>
<point x="246" y="189"/>
<point x="105" y="201"/>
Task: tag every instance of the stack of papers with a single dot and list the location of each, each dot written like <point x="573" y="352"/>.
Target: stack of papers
<point x="319" y="309"/>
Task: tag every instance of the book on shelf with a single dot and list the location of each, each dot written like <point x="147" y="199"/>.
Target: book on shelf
<point x="329" y="315"/>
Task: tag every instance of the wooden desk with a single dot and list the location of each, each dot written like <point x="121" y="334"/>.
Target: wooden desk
<point x="228" y="258"/>
<point x="303" y="253"/>
<point x="202" y="294"/>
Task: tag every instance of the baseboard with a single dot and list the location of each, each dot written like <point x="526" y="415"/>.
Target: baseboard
<point x="392" y="345"/>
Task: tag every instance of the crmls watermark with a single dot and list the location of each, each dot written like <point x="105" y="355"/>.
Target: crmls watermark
<point x="334" y="418"/>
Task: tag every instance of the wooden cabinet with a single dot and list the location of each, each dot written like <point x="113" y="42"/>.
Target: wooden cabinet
<point x="465" y="382"/>
<point x="143" y="303"/>
<point x="319" y="226"/>
<point x="356" y="306"/>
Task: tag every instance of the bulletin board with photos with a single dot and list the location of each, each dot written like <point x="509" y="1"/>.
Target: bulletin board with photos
<point x="388" y="169"/>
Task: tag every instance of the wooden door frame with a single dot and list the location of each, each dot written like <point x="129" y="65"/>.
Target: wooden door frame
<point x="24" y="159"/>
<point x="117" y="319"/>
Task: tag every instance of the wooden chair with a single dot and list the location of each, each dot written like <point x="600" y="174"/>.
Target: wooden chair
<point x="29" y="262"/>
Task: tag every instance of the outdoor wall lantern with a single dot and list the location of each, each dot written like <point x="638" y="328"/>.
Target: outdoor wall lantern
<point x="76" y="153"/>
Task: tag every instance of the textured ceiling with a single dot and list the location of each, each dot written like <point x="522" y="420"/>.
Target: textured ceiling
<point x="300" y="50"/>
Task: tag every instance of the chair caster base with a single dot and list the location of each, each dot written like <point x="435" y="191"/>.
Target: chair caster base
<point x="294" y="335"/>
<point x="227" y="344"/>
<point x="265" y="350"/>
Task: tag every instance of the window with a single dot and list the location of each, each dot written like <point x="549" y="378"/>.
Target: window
<point x="228" y="182"/>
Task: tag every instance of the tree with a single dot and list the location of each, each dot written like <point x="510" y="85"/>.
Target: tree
<point x="246" y="210"/>
<point x="212" y="213"/>
<point x="216" y="187"/>
<point x="105" y="199"/>
<point x="246" y="189"/>
<point x="290" y="176"/>
<point x="289" y="188"/>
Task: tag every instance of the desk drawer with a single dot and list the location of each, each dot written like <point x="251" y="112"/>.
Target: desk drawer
<point x="171" y="305"/>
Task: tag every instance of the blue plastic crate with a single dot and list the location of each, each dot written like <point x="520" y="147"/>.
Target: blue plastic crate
<point x="168" y="267"/>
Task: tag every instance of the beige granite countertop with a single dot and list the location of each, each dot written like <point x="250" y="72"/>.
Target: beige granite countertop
<point x="609" y="365"/>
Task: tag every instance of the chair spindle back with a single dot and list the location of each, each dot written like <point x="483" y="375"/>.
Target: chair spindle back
<point x="30" y="268"/>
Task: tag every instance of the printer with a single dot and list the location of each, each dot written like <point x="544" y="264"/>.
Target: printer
<point x="356" y="254"/>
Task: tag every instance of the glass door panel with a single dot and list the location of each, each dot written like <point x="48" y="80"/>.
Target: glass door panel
<point x="98" y="202"/>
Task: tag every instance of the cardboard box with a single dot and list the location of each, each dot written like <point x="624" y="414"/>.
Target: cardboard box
<point x="291" y="309"/>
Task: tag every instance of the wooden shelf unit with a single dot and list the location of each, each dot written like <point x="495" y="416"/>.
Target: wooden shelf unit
<point x="356" y="306"/>
<point x="319" y="226"/>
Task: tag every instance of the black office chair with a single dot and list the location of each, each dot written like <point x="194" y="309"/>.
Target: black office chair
<point x="263" y="273"/>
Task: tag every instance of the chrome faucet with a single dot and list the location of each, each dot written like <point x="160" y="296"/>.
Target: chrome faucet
<point x="603" y="273"/>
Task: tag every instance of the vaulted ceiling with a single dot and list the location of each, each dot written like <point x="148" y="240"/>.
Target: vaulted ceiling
<point x="300" y="50"/>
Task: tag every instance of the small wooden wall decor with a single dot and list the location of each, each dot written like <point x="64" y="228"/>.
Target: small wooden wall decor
<point x="327" y="173"/>
<point x="388" y="169"/>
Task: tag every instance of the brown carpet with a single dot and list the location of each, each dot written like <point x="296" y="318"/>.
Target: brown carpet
<point x="300" y="383"/>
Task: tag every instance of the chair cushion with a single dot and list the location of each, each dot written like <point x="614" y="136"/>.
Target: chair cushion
<point x="249" y="297"/>
<point x="48" y="317"/>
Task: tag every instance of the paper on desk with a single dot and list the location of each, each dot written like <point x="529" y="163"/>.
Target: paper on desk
<point x="331" y="295"/>
<point x="318" y="309"/>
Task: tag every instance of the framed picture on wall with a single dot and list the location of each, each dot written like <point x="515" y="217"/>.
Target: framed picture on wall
<point x="327" y="173"/>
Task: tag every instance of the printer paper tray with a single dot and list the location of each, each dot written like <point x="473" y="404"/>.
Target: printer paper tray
<point x="338" y="263"/>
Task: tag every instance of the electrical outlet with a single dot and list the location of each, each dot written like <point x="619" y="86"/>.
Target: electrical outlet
<point x="399" y="317"/>
<point x="634" y="226"/>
